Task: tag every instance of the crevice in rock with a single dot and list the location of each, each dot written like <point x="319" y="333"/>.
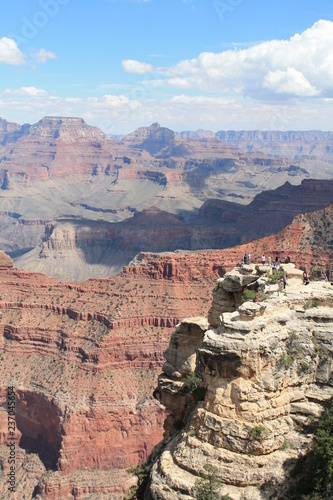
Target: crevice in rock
<point x="38" y="420"/>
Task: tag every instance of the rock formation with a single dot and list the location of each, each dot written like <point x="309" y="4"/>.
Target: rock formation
<point x="265" y="370"/>
<point x="293" y="144"/>
<point x="77" y="250"/>
<point x="83" y="359"/>
<point x="65" y="169"/>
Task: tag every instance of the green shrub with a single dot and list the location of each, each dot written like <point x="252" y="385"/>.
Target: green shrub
<point x="286" y="360"/>
<point x="192" y="382"/>
<point x="285" y="445"/>
<point x="305" y="367"/>
<point x="276" y="276"/>
<point x="311" y="303"/>
<point x="207" y="488"/>
<point x="141" y="472"/>
<point x="248" y="295"/>
<point x="258" y="432"/>
<point x="314" y="472"/>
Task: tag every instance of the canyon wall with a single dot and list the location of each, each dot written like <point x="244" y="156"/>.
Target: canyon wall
<point x="77" y="250"/>
<point x="83" y="359"/>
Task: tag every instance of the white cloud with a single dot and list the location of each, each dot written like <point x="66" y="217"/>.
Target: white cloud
<point x="10" y="53"/>
<point x="43" y="55"/>
<point x="120" y="101"/>
<point x="301" y="66"/>
<point x="137" y="67"/>
<point x="289" y="81"/>
<point x="26" y="91"/>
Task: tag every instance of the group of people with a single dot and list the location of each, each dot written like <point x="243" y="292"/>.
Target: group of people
<point x="247" y="260"/>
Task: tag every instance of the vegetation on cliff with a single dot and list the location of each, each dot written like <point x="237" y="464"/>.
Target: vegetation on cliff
<point x="314" y="472"/>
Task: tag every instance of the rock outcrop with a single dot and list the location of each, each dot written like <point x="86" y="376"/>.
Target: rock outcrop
<point x="265" y="369"/>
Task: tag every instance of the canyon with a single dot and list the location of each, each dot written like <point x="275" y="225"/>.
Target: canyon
<point x="84" y="358"/>
<point x="77" y="250"/>
<point x="136" y="227"/>
<point x="63" y="179"/>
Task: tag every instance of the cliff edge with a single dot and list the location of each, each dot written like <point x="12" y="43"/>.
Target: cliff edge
<point x="244" y="390"/>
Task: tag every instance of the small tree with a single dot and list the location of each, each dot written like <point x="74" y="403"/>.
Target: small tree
<point x="207" y="488"/>
<point x="323" y="453"/>
<point x="141" y="472"/>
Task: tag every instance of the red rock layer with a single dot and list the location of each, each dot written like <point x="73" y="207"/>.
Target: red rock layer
<point x="84" y="360"/>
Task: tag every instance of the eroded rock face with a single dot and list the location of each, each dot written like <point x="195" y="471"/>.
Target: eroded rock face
<point x="228" y="291"/>
<point x="267" y="368"/>
<point x="181" y="357"/>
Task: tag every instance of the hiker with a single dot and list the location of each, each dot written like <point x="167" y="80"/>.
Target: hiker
<point x="245" y="259"/>
<point x="255" y="298"/>
<point x="276" y="261"/>
<point x="263" y="259"/>
<point x="288" y="258"/>
<point x="248" y="258"/>
<point x="305" y="276"/>
<point x="284" y="281"/>
<point x="269" y="261"/>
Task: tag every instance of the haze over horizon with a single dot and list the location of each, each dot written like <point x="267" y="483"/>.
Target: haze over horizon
<point x="188" y="64"/>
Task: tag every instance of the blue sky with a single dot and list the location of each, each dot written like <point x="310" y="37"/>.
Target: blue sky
<point x="189" y="64"/>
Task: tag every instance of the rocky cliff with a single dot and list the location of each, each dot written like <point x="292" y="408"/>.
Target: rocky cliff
<point x="265" y="371"/>
<point x="62" y="168"/>
<point x="77" y="250"/>
<point x="294" y="144"/>
<point x="83" y="360"/>
<point x="84" y="357"/>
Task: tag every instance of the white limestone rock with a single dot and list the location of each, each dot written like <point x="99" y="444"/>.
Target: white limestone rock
<point x="266" y="366"/>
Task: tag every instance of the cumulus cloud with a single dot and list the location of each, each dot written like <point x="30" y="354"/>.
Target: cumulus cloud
<point x="141" y="68"/>
<point x="301" y="66"/>
<point x="43" y="55"/>
<point x="10" y="53"/>
<point x="289" y="81"/>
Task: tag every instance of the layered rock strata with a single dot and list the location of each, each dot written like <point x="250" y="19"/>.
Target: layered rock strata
<point x="77" y="250"/>
<point x="267" y="371"/>
<point x="63" y="169"/>
<point x="83" y="360"/>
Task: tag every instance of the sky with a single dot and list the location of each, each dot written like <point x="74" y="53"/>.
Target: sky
<point x="188" y="64"/>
